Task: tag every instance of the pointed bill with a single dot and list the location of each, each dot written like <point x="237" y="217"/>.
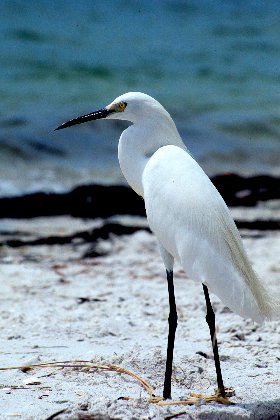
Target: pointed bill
<point x="101" y="113"/>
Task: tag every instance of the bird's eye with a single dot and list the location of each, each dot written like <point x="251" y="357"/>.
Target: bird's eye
<point x="121" y="106"/>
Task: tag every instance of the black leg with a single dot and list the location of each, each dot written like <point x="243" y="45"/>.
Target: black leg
<point x="210" y="319"/>
<point x="172" y="320"/>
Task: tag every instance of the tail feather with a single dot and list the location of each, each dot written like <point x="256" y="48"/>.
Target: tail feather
<point x="267" y="302"/>
<point x="273" y="305"/>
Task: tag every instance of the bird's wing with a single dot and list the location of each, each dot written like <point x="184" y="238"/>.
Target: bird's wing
<point x="193" y="223"/>
<point x="182" y="202"/>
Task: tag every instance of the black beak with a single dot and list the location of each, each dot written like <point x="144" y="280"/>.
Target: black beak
<point x="102" y="113"/>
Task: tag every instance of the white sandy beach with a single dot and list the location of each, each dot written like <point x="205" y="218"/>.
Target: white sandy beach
<point x="122" y="320"/>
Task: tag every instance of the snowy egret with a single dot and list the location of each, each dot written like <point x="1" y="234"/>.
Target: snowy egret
<point x="188" y="216"/>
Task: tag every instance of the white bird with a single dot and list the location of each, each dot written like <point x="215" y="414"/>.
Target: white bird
<point x="188" y="216"/>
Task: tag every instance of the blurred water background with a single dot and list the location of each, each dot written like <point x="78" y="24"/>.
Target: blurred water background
<point x="214" y="64"/>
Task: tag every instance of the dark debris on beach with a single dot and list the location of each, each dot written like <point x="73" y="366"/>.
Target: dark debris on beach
<point x="92" y="201"/>
<point x="99" y="201"/>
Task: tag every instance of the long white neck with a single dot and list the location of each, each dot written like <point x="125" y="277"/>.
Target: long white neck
<point x="140" y="141"/>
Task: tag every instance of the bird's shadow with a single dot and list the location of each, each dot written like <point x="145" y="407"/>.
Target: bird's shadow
<point x="264" y="410"/>
<point x="269" y="409"/>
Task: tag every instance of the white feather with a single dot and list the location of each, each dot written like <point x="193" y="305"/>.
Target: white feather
<point x="186" y="212"/>
<point x="184" y="209"/>
<point x="192" y="222"/>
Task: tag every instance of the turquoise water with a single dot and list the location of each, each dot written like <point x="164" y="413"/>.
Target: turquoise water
<point x="213" y="64"/>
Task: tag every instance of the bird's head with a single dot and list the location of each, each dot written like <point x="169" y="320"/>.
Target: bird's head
<point x="131" y="106"/>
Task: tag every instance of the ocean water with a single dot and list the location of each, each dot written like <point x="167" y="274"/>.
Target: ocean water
<point x="215" y="66"/>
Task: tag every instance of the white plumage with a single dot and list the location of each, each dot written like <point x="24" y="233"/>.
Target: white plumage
<point x="185" y="211"/>
<point x="192" y="222"/>
<point x="188" y="216"/>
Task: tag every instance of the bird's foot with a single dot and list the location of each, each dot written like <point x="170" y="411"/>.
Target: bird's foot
<point x="220" y="396"/>
<point x="154" y="399"/>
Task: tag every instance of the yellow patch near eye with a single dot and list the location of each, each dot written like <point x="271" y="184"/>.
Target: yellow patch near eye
<point x="121" y="107"/>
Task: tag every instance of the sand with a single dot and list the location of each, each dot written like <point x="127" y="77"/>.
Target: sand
<point x="58" y="306"/>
